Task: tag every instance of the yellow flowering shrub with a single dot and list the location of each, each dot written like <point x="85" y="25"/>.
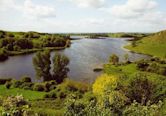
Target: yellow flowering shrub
<point x="104" y="84"/>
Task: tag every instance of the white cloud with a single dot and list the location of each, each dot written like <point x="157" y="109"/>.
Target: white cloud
<point x="38" y="11"/>
<point x="89" y="3"/>
<point x="7" y="4"/>
<point x="138" y="15"/>
<point x="133" y="8"/>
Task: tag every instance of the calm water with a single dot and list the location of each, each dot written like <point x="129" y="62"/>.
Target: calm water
<point x="84" y="55"/>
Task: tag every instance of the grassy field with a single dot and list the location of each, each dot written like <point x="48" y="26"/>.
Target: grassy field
<point x="129" y="70"/>
<point x="154" y="45"/>
<point x="49" y="107"/>
<point x="120" y="70"/>
<point x="28" y="94"/>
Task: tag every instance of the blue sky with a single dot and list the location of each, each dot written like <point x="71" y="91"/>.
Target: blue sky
<point x="83" y="15"/>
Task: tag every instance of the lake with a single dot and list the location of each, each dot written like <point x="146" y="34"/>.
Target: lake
<point x="84" y="55"/>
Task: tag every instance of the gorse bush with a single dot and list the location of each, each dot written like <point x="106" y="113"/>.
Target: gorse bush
<point x="104" y="84"/>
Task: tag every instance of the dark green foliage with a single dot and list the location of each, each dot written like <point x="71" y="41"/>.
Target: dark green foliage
<point x="10" y="35"/>
<point x="24" y="44"/>
<point x="42" y="64"/>
<point x="27" y="85"/>
<point x="2" y="34"/>
<point x="16" y="83"/>
<point x="142" y="65"/>
<point x="154" y="65"/>
<point x="16" y="48"/>
<point x="31" y="35"/>
<point x="141" y="89"/>
<point x="3" y="55"/>
<point x="42" y="67"/>
<point x="50" y="85"/>
<point x="52" y="94"/>
<point x="79" y="108"/>
<point x="54" y="42"/>
<point x="114" y="59"/>
<point x="60" y="69"/>
<point x="136" y="109"/>
<point x="8" y="84"/>
<point x="11" y="44"/>
<point x="39" y="87"/>
<point x="26" y="79"/>
<point x="3" y="81"/>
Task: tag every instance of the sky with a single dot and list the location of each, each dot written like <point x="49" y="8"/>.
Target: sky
<point x="61" y="16"/>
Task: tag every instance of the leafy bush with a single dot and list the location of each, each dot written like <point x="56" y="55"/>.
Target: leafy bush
<point x="142" y="65"/>
<point x="104" y="84"/>
<point x="117" y="101"/>
<point x="67" y="87"/>
<point x="52" y="94"/>
<point x="136" y="109"/>
<point x="15" y="106"/>
<point x="38" y="87"/>
<point x="3" y="81"/>
<point x="8" y="84"/>
<point x="76" y="107"/>
<point x="16" y="83"/>
<point x="26" y="79"/>
<point x="3" y="55"/>
<point x="50" y="85"/>
<point x="76" y="86"/>
<point x="140" y="89"/>
<point x="27" y="85"/>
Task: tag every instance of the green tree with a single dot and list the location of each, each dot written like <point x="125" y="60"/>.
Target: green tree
<point x="114" y="59"/>
<point x="42" y="66"/>
<point x="126" y="57"/>
<point x="60" y="68"/>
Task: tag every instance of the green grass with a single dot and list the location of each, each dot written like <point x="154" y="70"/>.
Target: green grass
<point x="120" y="70"/>
<point x="129" y="70"/>
<point x="49" y="107"/>
<point x="28" y="94"/>
<point x="154" y="45"/>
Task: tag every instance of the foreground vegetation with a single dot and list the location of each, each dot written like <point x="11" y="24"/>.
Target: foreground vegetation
<point x="128" y="89"/>
<point x="154" y="45"/>
<point x="124" y="89"/>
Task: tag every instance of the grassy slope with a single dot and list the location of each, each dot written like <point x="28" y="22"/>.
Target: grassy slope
<point x="154" y="45"/>
<point x="28" y="94"/>
<point x="38" y="104"/>
<point x="130" y="70"/>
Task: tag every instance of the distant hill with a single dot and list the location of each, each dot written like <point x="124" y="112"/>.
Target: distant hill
<point x="154" y="45"/>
